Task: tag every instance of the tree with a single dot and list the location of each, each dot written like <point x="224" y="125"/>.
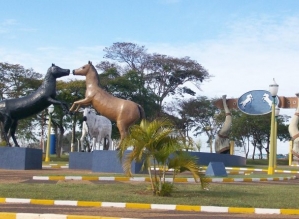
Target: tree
<point x="240" y="132"/>
<point x="256" y="128"/>
<point x="168" y="76"/>
<point x="173" y="111"/>
<point x="162" y="75"/>
<point x="15" y="82"/>
<point x="201" y="115"/>
<point x="154" y="143"/>
<point x="69" y="92"/>
<point x="129" y="53"/>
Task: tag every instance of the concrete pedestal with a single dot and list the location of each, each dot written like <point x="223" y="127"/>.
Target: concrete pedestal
<point x="80" y="160"/>
<point x="99" y="161"/>
<point x="216" y="169"/>
<point x="108" y="162"/>
<point x="18" y="158"/>
<point x="228" y="160"/>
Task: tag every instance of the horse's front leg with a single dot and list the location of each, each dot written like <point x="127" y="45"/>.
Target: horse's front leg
<point x="77" y="104"/>
<point x="72" y="107"/>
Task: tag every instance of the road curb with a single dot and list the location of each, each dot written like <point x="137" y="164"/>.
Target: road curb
<point x="215" y="209"/>
<point x="8" y="215"/>
<point x="147" y="179"/>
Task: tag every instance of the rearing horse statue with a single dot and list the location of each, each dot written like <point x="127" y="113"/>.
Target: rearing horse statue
<point x="123" y="112"/>
<point x="12" y="110"/>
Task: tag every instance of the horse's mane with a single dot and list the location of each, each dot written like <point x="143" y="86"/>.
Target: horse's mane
<point x="95" y="70"/>
<point x="48" y="75"/>
<point x="93" y="67"/>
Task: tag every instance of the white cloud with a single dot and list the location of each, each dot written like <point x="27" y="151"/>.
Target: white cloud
<point x="9" y="22"/>
<point x="42" y="58"/>
<point x="247" y="57"/>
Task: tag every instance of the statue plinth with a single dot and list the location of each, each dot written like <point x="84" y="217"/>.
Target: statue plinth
<point x="18" y="158"/>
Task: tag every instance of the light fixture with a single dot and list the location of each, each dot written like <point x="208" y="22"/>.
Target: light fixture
<point x="273" y="88"/>
<point x="51" y="109"/>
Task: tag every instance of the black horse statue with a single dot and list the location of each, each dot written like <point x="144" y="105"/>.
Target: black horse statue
<point x="12" y="110"/>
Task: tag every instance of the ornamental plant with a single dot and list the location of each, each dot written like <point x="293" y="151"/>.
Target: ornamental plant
<point x="156" y="146"/>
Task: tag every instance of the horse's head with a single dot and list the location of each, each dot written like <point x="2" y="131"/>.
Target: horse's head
<point x="58" y="72"/>
<point x="83" y="70"/>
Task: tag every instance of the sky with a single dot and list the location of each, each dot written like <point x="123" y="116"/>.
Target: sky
<point x="243" y="44"/>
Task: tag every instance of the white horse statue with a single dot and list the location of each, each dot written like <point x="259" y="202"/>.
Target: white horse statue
<point x="98" y="127"/>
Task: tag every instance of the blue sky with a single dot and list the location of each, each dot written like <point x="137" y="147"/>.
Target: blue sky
<point x="242" y="43"/>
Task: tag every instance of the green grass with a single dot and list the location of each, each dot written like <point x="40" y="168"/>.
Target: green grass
<point x="59" y="160"/>
<point x="265" y="162"/>
<point x="256" y="195"/>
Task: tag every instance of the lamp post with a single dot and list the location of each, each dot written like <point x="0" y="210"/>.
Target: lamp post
<point x="50" y="111"/>
<point x="277" y="110"/>
<point x="273" y="89"/>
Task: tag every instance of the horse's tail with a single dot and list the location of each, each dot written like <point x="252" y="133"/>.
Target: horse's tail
<point x="141" y="112"/>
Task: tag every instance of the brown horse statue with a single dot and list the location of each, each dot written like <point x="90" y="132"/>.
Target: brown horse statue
<point x="123" y="112"/>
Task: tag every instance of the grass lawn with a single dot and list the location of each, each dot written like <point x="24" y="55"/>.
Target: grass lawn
<point x="255" y="195"/>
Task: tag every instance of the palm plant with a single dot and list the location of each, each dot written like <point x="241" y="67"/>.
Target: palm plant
<point x="155" y="144"/>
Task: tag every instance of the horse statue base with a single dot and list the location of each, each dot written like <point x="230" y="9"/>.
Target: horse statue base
<point x="20" y="158"/>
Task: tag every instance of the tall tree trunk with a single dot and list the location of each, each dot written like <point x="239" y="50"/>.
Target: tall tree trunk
<point x="254" y="146"/>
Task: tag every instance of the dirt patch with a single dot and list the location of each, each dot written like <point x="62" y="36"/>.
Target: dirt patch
<point x="84" y="182"/>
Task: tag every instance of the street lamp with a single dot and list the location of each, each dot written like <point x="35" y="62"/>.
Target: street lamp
<point x="50" y="111"/>
<point x="273" y="89"/>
